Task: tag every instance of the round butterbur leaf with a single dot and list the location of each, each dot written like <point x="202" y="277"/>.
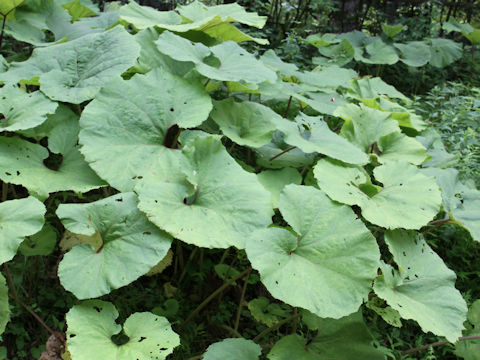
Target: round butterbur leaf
<point x="198" y="206"/>
<point x="233" y="349"/>
<point x="92" y="325"/>
<point x="423" y="288"/>
<point x="90" y="269"/>
<point x="408" y="199"/>
<point x="331" y="257"/>
<point x="18" y="218"/>
<point x="20" y="110"/>
<point x="130" y="142"/>
<point x="246" y="123"/>
<point x="311" y="134"/>
<point x="74" y="71"/>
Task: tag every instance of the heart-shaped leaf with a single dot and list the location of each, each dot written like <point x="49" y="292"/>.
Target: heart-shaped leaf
<point x="126" y="236"/>
<point x="18" y="218"/>
<point x="91" y="326"/>
<point x="317" y="267"/>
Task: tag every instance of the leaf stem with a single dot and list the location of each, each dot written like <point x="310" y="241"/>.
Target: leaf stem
<point x="242" y="298"/>
<point x="288" y="107"/>
<point x="184" y="272"/>
<point x="212" y="296"/>
<point x="438" y="343"/>
<point x="276" y="326"/>
<point x="281" y="153"/>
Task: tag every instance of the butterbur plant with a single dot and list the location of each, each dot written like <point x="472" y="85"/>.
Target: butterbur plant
<point x="130" y="130"/>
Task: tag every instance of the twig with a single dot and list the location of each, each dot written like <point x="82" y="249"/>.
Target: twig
<point x="438" y="343"/>
<point x="212" y="296"/>
<point x="276" y="326"/>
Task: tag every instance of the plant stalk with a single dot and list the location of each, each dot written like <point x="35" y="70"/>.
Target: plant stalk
<point x="274" y="327"/>
<point x="212" y="296"/>
<point x="242" y="298"/>
<point x="438" y="343"/>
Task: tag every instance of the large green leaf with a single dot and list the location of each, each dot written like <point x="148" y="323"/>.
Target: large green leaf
<point x="91" y="326"/>
<point x="20" y="110"/>
<point x="408" y="199"/>
<point x="4" y="308"/>
<point x="75" y="71"/>
<point x="33" y="18"/>
<point x="292" y="347"/>
<point x="198" y="206"/>
<point x="311" y="134"/>
<point x="41" y="243"/>
<point x="78" y="10"/>
<point x="414" y="53"/>
<point x="271" y="60"/>
<point x="233" y="349"/>
<point x="392" y="30"/>
<point x="233" y="62"/>
<point x="399" y="147"/>
<point x="27" y="167"/>
<point x="136" y="120"/>
<point x="275" y="180"/>
<point x="246" y="123"/>
<point x="327" y="265"/>
<point x="423" y="288"/>
<point x="470" y="349"/>
<point x="18" y="218"/>
<point x="127" y="237"/>
<point x="215" y="21"/>
<point x="8" y="6"/>
<point x="444" y="52"/>
<point x="364" y="126"/>
<point x="143" y="17"/>
<point x="150" y="57"/>
<point x="343" y="339"/>
<point x="338" y="54"/>
<point x="372" y="88"/>
<point x="292" y="158"/>
<point x="459" y="200"/>
<point x="70" y="31"/>
<point x="378" y="52"/>
<point x="220" y="18"/>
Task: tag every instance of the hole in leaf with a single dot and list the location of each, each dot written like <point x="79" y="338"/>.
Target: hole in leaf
<point x="97" y="308"/>
<point x="147" y="233"/>
<point x="53" y="161"/>
<point x="171" y="137"/>
<point x="72" y="335"/>
<point x="142" y="338"/>
<point x="120" y="339"/>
